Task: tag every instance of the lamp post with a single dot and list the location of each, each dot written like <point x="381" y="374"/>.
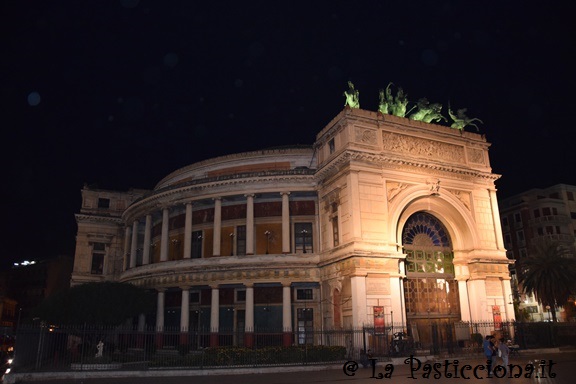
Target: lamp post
<point x="304" y="234"/>
<point x="267" y="233"/>
<point x="232" y="243"/>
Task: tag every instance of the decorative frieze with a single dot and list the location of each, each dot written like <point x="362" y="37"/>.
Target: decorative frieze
<point x="417" y="146"/>
<point x="365" y="136"/>
<point x="476" y="156"/>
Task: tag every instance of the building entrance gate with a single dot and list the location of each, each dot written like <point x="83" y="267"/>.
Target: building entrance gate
<point x="430" y="289"/>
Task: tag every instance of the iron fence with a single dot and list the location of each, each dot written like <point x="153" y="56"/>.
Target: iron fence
<point x="43" y="347"/>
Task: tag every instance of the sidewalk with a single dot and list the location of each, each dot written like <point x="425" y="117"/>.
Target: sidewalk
<point x="305" y="374"/>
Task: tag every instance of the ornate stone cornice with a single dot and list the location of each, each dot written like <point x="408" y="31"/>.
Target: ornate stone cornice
<point x="94" y="218"/>
<point x="392" y="161"/>
<point x="224" y="269"/>
<point x="303" y="177"/>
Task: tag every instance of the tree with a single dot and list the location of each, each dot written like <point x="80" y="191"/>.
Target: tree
<point x="549" y="274"/>
<point x="106" y="303"/>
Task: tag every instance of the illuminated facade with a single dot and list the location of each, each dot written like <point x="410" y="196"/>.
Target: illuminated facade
<point x="384" y="220"/>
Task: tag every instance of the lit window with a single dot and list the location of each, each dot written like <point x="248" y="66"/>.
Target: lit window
<point x="98" y="253"/>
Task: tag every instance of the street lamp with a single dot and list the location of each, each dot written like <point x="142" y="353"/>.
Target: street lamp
<point x="232" y="244"/>
<point x="267" y="233"/>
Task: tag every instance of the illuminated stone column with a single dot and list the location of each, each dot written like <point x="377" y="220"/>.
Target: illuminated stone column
<point x="358" y="290"/>
<point x="134" y="245"/>
<point x="188" y="232"/>
<point x="354" y="206"/>
<point x="249" y="224"/>
<point x="147" y="235"/>
<point x="249" y="319"/>
<point x="160" y="318"/>
<point x="464" y="302"/>
<point x="285" y="222"/>
<point x="185" y="316"/>
<point x="397" y="304"/>
<point x="215" y="317"/>
<point x="217" y="226"/>
<point x="164" y="236"/>
<point x="127" y="238"/>
<point x="287" y="315"/>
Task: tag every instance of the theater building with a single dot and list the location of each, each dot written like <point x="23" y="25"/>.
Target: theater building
<point x="384" y="220"/>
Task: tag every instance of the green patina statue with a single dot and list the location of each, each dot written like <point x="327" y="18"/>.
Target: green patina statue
<point x="400" y="103"/>
<point x="393" y="105"/>
<point x="427" y="112"/>
<point x="352" y="96"/>
<point x="460" y="120"/>
<point x="386" y="101"/>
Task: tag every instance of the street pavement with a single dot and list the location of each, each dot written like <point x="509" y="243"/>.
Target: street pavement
<point x="563" y="368"/>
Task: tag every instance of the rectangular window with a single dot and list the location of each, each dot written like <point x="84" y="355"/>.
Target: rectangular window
<point x="335" y="234"/>
<point x="303" y="237"/>
<point x="197" y="244"/>
<point x="305" y="325"/>
<point x="98" y="253"/>
<point x="554" y="211"/>
<point x="304" y="294"/>
<point x="546" y="211"/>
<point x="241" y="296"/>
<point x="558" y="230"/>
<point x="550" y="230"/>
<point x="573" y="215"/>
<point x="507" y="239"/>
<point x="505" y="221"/>
<point x="195" y="297"/>
<point x="103" y="203"/>
<point x="540" y="232"/>
<point x="570" y="195"/>
<point x="331" y="146"/>
<point x="241" y="240"/>
<point x="520" y="235"/>
<point x="517" y="218"/>
<point x="536" y="213"/>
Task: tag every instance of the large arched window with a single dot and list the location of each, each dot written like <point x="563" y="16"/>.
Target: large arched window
<point x="430" y="289"/>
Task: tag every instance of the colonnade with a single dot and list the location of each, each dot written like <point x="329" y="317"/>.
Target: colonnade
<point x="215" y="313"/>
<point x="131" y="232"/>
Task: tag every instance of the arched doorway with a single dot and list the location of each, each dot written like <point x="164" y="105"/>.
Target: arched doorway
<point x="430" y="289"/>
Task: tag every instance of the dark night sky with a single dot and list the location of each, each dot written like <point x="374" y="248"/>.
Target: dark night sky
<point x="120" y="93"/>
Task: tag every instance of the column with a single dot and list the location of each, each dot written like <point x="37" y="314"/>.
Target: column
<point x="355" y="216"/>
<point x="147" y="238"/>
<point x="286" y="316"/>
<point x="358" y="291"/>
<point x="188" y="232"/>
<point x="214" y="317"/>
<point x="397" y="304"/>
<point x="496" y="219"/>
<point x="217" y="226"/>
<point x="249" y="319"/>
<point x="134" y="245"/>
<point x="185" y="316"/>
<point x="464" y="302"/>
<point x="285" y="223"/>
<point x="160" y="318"/>
<point x="164" y="235"/>
<point x="127" y="239"/>
<point x="249" y="224"/>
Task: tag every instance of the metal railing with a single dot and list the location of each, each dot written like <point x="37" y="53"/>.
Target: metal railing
<point x="43" y="347"/>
